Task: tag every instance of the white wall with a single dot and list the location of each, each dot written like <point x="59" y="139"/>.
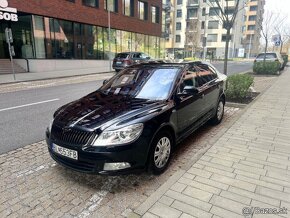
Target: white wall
<point x="83" y="66"/>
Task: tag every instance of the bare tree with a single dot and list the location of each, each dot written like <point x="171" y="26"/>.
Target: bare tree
<point x="227" y="14"/>
<point x="267" y="25"/>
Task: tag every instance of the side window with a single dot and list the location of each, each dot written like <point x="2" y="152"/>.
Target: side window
<point x="206" y="74"/>
<point x="137" y="55"/>
<point x="144" y="56"/>
<point x="190" y="79"/>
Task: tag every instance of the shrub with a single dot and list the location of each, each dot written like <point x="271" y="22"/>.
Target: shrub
<point x="238" y="85"/>
<point x="285" y="58"/>
<point x="267" y="67"/>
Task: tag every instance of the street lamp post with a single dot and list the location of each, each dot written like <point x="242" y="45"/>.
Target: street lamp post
<point x="250" y="47"/>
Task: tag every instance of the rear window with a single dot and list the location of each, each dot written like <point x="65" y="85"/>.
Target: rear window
<point x="268" y="56"/>
<point x="122" y="55"/>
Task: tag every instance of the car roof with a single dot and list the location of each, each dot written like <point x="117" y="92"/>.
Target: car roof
<point x="164" y="63"/>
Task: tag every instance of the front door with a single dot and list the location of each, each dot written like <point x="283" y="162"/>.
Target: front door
<point x="189" y="107"/>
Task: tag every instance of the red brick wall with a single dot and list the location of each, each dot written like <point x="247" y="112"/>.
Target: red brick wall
<point x="97" y="16"/>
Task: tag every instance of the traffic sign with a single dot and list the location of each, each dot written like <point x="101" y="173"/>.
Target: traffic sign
<point x="278" y="43"/>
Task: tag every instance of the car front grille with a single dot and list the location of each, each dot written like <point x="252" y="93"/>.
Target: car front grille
<point x="72" y="136"/>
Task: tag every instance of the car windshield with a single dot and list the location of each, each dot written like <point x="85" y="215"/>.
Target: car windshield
<point x="144" y="83"/>
<point x="268" y="56"/>
<point x="122" y="55"/>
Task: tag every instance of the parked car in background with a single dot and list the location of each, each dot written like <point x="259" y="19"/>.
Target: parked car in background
<point x="271" y="57"/>
<point x="135" y="120"/>
<point x="126" y="59"/>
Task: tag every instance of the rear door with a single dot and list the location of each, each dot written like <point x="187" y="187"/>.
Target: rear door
<point x="137" y="57"/>
<point x="209" y="86"/>
<point x="120" y="58"/>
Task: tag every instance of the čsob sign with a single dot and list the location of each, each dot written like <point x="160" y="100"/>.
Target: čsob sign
<point x="7" y="13"/>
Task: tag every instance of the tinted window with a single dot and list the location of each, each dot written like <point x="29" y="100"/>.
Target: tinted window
<point x="268" y="56"/>
<point x="122" y="55"/>
<point x="205" y="74"/>
<point x="190" y="79"/>
<point x="144" y="83"/>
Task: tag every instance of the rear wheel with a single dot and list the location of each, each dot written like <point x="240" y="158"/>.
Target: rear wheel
<point x="160" y="152"/>
<point x="219" y="114"/>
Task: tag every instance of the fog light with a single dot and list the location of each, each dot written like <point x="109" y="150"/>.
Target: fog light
<point x="116" y="166"/>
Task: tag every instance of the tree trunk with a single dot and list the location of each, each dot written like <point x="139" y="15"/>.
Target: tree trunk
<point x="266" y="47"/>
<point x="227" y="51"/>
<point x="281" y="49"/>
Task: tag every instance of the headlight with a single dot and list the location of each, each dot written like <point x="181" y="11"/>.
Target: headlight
<point x="120" y="136"/>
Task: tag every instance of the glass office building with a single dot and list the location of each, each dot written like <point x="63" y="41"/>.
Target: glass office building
<point x="40" y="37"/>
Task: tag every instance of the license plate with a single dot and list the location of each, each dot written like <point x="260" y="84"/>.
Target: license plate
<point x="65" y="151"/>
<point x="119" y="62"/>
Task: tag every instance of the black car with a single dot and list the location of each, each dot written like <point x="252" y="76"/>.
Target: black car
<point x="134" y="121"/>
<point x="126" y="59"/>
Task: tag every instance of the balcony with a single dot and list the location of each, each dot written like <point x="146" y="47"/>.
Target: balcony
<point x="192" y="3"/>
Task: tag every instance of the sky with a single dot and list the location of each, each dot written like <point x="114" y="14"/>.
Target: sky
<point x="281" y="6"/>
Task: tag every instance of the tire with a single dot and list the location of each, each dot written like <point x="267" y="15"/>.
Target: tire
<point x="163" y="143"/>
<point x="117" y="71"/>
<point x="219" y="113"/>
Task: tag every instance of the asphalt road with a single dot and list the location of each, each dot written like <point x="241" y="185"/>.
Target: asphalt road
<point x="24" y="115"/>
<point x="234" y="67"/>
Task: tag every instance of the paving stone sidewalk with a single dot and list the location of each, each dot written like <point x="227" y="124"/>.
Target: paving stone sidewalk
<point x="246" y="172"/>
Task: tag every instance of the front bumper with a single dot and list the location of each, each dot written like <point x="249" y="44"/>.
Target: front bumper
<point x="92" y="159"/>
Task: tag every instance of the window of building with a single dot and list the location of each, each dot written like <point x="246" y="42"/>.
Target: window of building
<point x="202" y="24"/>
<point x="192" y="2"/>
<point x="73" y="1"/>
<point x="214" y="12"/>
<point x="203" y="11"/>
<point x="179" y="2"/>
<point x="91" y="3"/>
<point x="212" y="37"/>
<point x="192" y="13"/>
<point x="213" y="24"/>
<point x="224" y="37"/>
<point x="128" y="7"/>
<point x="178" y="26"/>
<point x="253" y="8"/>
<point x="252" y="18"/>
<point x="179" y="13"/>
<point x="142" y="10"/>
<point x="251" y="27"/>
<point x="177" y="38"/>
<point x="154" y="14"/>
<point x="229" y="11"/>
<point x="111" y="5"/>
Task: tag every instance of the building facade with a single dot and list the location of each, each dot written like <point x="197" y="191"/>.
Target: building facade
<point x="252" y="27"/>
<point x="78" y="29"/>
<point x="192" y="22"/>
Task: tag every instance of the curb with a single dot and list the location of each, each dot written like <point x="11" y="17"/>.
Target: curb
<point x="61" y="77"/>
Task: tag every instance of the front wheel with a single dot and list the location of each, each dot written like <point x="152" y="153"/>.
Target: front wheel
<point x="160" y="153"/>
<point x="219" y="114"/>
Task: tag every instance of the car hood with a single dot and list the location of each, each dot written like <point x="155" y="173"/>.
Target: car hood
<point x="98" y="110"/>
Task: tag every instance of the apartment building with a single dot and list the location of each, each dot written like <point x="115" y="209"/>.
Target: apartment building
<point x="252" y="27"/>
<point x="194" y="26"/>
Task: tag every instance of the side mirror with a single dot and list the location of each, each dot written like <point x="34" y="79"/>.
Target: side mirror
<point x="105" y="82"/>
<point x="190" y="90"/>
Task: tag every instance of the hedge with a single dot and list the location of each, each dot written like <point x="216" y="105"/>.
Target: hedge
<point x="266" y="67"/>
<point x="238" y="86"/>
<point x="285" y="58"/>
